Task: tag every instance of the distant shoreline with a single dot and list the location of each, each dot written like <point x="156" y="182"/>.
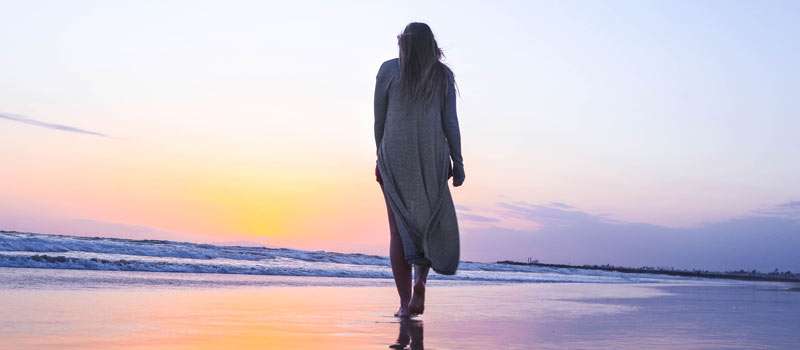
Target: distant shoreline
<point x="734" y="275"/>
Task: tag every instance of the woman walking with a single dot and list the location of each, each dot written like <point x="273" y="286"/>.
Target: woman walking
<point x="417" y="135"/>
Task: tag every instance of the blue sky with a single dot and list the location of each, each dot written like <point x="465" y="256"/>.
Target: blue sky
<point x="677" y="115"/>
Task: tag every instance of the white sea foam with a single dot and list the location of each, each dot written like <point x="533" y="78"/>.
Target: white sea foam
<point x="33" y="250"/>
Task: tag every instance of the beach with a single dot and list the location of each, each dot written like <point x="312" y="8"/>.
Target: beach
<point x="83" y="309"/>
<point x="590" y="175"/>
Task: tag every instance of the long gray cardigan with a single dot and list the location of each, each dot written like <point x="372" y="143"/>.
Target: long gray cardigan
<point x="415" y="144"/>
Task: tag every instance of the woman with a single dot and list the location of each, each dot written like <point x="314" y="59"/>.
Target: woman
<point x="417" y="134"/>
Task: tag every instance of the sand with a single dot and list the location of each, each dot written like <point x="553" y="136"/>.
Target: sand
<point x="101" y="310"/>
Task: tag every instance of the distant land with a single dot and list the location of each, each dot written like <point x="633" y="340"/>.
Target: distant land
<point x="753" y="275"/>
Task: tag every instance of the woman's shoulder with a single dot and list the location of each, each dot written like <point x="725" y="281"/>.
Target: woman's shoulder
<point x="448" y="72"/>
<point x="390" y="65"/>
<point x="391" y="62"/>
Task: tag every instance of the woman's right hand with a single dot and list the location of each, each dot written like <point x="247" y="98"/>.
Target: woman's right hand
<point x="458" y="174"/>
<point x="378" y="175"/>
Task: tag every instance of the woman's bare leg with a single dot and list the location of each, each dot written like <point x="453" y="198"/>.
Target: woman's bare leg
<point x="400" y="268"/>
<point x="417" y="304"/>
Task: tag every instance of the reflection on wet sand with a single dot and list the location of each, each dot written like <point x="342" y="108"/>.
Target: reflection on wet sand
<point x="410" y="335"/>
<point x="290" y="315"/>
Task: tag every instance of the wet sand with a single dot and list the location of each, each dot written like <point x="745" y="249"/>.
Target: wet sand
<point x="101" y="310"/>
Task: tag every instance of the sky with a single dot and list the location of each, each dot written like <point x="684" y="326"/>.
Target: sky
<point x="622" y="132"/>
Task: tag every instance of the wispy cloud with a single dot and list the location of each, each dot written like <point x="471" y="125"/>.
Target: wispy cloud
<point x="764" y="239"/>
<point x="478" y="218"/>
<point x="30" y="121"/>
<point x="788" y="210"/>
<point x="560" y="205"/>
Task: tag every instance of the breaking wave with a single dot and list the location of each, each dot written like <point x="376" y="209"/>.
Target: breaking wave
<point x="34" y="250"/>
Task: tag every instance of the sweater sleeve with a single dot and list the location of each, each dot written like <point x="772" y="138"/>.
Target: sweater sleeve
<point x="450" y="121"/>
<point x="380" y="104"/>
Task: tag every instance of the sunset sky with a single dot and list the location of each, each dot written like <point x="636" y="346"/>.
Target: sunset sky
<point x="625" y="132"/>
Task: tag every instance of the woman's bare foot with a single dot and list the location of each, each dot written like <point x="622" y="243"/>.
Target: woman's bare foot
<point x="417" y="304"/>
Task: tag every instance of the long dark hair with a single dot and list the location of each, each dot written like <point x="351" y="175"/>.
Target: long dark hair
<point x="422" y="74"/>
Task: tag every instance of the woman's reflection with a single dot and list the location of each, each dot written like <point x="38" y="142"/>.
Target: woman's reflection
<point x="410" y="335"/>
